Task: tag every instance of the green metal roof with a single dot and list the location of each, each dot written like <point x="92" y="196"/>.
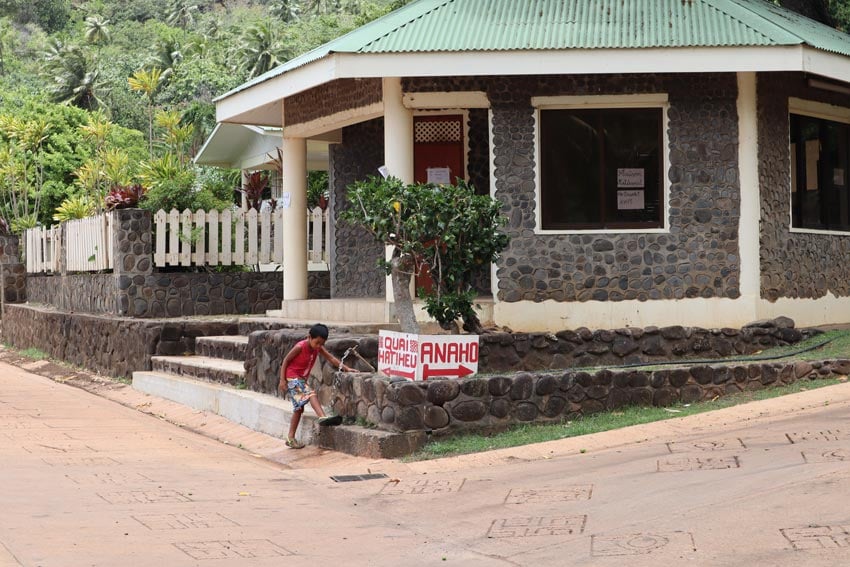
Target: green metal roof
<point x="433" y="26"/>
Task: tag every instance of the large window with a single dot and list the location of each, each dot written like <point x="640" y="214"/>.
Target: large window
<point x="601" y="168"/>
<point x="820" y="196"/>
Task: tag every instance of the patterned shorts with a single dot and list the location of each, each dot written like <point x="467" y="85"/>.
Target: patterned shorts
<point x="299" y="393"/>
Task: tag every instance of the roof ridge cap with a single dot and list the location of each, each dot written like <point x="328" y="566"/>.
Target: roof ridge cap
<point x="756" y="16"/>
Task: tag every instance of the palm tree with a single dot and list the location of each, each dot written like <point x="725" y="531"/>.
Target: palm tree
<point x="96" y="31"/>
<point x="147" y="83"/>
<point x="182" y="14"/>
<point x="168" y="55"/>
<point x="201" y="116"/>
<point x="259" y="50"/>
<point x="7" y="33"/>
<point x="74" y="79"/>
<point x="285" y="10"/>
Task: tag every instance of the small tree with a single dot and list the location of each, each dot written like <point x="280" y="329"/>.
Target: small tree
<point x="448" y="229"/>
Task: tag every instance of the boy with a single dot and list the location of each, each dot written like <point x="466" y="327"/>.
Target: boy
<point x="294" y="371"/>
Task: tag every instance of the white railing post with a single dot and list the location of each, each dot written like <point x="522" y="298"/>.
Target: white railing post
<point x="239" y="255"/>
<point x="212" y="254"/>
<point x="251" y="256"/>
<point x="160" y="221"/>
<point x="186" y="238"/>
<point x="226" y="237"/>
<point x="200" y="233"/>
<point x="173" y="255"/>
<point x="265" y="237"/>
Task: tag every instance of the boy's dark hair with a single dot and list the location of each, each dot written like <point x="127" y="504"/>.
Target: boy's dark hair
<point x="319" y="330"/>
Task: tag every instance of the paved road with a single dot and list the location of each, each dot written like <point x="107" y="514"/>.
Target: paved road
<point x="87" y="481"/>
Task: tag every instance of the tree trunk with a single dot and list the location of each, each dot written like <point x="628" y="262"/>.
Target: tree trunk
<point x="814" y="9"/>
<point x="401" y="272"/>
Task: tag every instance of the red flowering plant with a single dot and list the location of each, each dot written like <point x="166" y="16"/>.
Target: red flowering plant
<point x="253" y="189"/>
<point x="124" y="197"/>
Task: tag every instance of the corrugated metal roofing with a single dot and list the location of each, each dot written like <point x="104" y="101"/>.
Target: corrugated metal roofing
<point x="502" y="25"/>
<point x="511" y="25"/>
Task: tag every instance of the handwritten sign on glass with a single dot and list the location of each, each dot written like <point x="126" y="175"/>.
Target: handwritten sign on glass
<point x="630" y="178"/>
<point x="630" y="200"/>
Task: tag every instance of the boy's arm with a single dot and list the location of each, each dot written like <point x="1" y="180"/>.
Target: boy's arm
<point x="286" y="360"/>
<point x="334" y="361"/>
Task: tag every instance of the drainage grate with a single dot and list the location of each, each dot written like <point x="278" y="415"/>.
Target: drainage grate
<point x="356" y="477"/>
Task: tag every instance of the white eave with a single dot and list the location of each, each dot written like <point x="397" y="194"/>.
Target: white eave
<point x="241" y="146"/>
<point x="263" y="103"/>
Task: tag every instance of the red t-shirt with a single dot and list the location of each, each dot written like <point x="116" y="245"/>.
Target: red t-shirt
<point x="300" y="366"/>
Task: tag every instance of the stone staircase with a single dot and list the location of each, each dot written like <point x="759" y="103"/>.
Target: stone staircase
<point x="211" y="380"/>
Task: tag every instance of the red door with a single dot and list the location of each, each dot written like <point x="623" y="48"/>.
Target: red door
<point x="437" y="145"/>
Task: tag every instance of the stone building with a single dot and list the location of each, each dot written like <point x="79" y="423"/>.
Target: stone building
<point x="659" y="163"/>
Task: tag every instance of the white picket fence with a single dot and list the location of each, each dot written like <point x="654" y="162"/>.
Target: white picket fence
<point x="89" y="246"/>
<point x="202" y="238"/>
<point x="42" y="248"/>
<point x="233" y="238"/>
<point x="88" y="249"/>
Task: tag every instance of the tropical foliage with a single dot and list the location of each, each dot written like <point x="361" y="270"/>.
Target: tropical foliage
<point x="446" y="229"/>
<point x="116" y="93"/>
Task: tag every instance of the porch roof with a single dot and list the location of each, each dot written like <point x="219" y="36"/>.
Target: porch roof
<point x="241" y="146"/>
<point x="438" y="37"/>
<point x="506" y="25"/>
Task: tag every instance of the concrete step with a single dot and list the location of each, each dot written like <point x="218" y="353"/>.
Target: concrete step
<point x="370" y="443"/>
<point x="349" y="311"/>
<point x="202" y="367"/>
<point x="260" y="412"/>
<point x="228" y="347"/>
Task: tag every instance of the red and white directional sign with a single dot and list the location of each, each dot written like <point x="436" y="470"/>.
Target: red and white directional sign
<point x="420" y="357"/>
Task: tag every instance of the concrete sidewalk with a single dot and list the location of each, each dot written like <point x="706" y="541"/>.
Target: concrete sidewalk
<point x="89" y="482"/>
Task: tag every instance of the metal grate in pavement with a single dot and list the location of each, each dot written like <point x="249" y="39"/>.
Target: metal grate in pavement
<point x="356" y="477"/>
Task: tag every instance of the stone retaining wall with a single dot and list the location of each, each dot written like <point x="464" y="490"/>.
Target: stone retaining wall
<point x="511" y="352"/>
<point x="494" y="403"/>
<point x="501" y="352"/>
<point x="266" y="350"/>
<point x="13" y="274"/>
<point x="168" y="294"/>
<point x="114" y="346"/>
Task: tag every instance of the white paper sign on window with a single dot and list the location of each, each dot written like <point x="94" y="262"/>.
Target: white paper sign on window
<point x="630" y="177"/>
<point x="285" y="199"/>
<point x="630" y="200"/>
<point x="439" y="175"/>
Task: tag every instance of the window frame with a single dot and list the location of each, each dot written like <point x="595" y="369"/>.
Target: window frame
<point x="603" y="102"/>
<point x="822" y="111"/>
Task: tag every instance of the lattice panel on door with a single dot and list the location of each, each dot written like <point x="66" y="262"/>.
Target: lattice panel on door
<point x="426" y="131"/>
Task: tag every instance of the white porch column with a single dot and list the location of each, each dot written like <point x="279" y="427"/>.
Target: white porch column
<point x="398" y="143"/>
<point x="294" y="218"/>
<point x="749" y="236"/>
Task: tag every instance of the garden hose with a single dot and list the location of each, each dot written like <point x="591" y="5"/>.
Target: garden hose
<point x="694" y="362"/>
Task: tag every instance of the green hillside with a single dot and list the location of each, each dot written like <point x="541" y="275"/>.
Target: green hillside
<point x="105" y="93"/>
